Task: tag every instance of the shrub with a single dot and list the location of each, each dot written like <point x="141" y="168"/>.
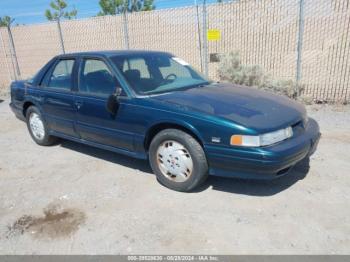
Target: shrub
<point x="232" y="70"/>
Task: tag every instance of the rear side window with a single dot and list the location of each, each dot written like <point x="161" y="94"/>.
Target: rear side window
<point x="61" y="76"/>
<point x="96" y="78"/>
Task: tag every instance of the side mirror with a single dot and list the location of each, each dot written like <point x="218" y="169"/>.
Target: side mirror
<point x="113" y="101"/>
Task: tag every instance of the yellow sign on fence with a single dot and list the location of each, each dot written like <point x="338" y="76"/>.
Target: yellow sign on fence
<point x="213" y="35"/>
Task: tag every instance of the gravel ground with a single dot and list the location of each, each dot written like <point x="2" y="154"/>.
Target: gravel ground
<point x="74" y="199"/>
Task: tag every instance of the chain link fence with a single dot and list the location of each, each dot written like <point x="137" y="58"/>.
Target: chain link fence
<point x="307" y="41"/>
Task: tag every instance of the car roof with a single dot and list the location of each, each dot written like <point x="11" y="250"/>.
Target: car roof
<point x="109" y="53"/>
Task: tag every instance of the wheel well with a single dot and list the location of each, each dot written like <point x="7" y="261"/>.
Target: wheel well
<point x="26" y="105"/>
<point x="159" y="127"/>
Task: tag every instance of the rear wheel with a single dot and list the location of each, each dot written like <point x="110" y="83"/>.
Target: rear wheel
<point x="37" y="127"/>
<point x="178" y="160"/>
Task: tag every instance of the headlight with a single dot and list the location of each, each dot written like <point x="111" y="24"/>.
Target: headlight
<point x="262" y="140"/>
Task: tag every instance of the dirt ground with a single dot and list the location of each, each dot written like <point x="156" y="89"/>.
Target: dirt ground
<point x="75" y="199"/>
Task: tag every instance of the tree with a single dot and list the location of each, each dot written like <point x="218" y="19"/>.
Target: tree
<point x="114" y="7"/>
<point x="58" y="11"/>
<point x="6" y="21"/>
<point x="110" y="7"/>
<point x="148" y="5"/>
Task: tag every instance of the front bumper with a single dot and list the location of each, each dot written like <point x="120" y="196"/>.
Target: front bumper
<point x="266" y="162"/>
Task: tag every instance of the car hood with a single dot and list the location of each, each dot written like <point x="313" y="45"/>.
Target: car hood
<point x="246" y="106"/>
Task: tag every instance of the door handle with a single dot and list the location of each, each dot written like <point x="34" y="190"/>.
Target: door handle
<point x="78" y="104"/>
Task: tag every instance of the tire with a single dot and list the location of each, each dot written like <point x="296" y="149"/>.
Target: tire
<point x="37" y="127"/>
<point x="178" y="160"/>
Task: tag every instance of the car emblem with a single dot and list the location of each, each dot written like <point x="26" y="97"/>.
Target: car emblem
<point x="216" y="139"/>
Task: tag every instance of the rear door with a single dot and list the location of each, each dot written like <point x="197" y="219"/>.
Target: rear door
<point x="57" y="96"/>
<point x="94" y="123"/>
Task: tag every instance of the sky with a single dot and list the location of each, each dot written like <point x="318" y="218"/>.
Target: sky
<point x="32" y="11"/>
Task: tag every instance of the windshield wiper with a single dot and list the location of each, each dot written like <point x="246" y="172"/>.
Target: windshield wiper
<point x="178" y="89"/>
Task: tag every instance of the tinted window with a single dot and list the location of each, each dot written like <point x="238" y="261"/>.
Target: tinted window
<point x="96" y="78"/>
<point x="61" y="76"/>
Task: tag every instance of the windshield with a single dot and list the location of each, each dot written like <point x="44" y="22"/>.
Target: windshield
<point x="152" y="73"/>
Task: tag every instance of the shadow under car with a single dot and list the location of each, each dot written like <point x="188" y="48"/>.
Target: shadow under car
<point x="230" y="185"/>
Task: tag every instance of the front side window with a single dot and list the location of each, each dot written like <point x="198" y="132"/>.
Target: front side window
<point x="61" y="76"/>
<point x="96" y="78"/>
<point x="152" y="73"/>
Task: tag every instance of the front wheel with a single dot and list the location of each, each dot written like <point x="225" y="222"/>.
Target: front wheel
<point x="178" y="160"/>
<point x="37" y="127"/>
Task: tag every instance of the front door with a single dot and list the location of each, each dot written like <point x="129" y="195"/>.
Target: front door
<point x="94" y="123"/>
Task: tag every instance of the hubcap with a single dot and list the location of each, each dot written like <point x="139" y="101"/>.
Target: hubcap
<point x="174" y="161"/>
<point x="36" y="126"/>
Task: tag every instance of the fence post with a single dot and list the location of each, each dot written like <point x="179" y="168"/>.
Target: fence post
<point x="13" y="53"/>
<point x="6" y="60"/>
<point x="60" y="35"/>
<point x="205" y="43"/>
<point x="300" y="44"/>
<point x="199" y="35"/>
<point x="126" y="32"/>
